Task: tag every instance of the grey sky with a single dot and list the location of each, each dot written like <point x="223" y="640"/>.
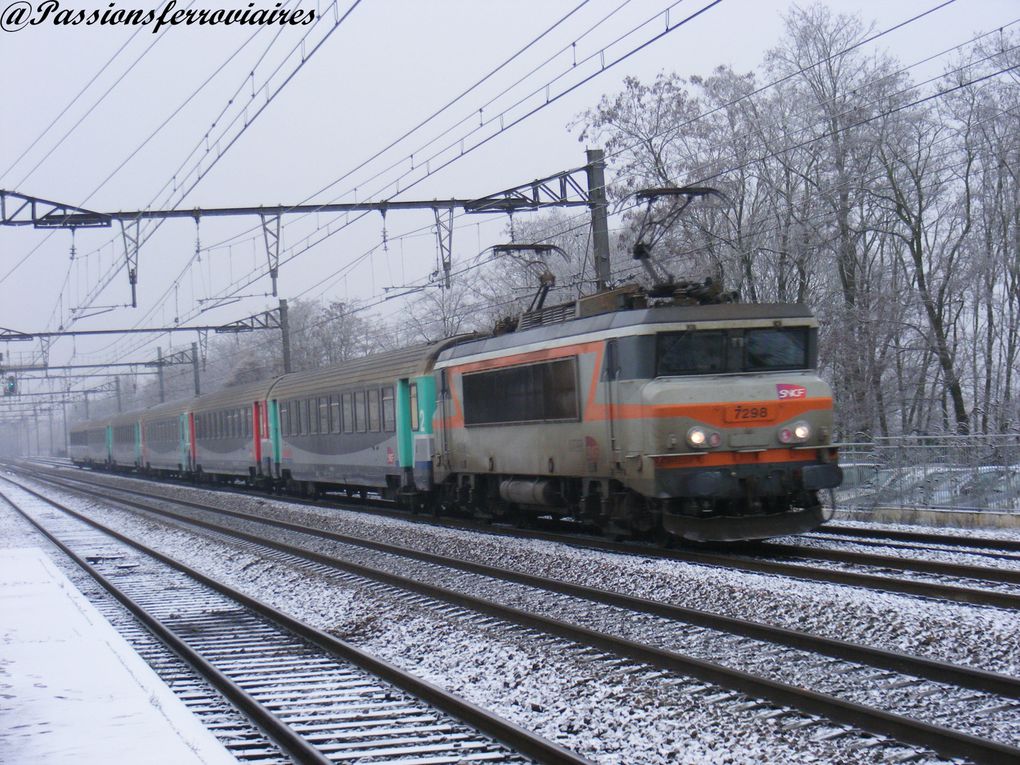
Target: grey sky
<point x="387" y="66"/>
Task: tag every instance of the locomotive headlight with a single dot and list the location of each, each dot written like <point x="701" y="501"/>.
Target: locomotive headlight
<point x="794" y="434"/>
<point x="702" y="438"/>
<point x="697" y="437"/>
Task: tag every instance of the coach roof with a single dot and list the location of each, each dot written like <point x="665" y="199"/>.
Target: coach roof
<point x="368" y="370"/>
<point x="233" y="396"/>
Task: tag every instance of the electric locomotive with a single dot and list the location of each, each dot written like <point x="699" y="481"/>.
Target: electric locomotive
<point x="707" y="422"/>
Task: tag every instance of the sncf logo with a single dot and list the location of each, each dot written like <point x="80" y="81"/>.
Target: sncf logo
<point x="787" y="391"/>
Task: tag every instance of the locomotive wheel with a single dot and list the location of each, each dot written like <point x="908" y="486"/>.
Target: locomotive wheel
<point x="639" y="516"/>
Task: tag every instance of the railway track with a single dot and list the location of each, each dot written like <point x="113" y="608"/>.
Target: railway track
<point x="317" y="699"/>
<point x="971" y="584"/>
<point x="995" y="695"/>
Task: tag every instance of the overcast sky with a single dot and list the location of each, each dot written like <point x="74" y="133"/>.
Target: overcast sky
<point x="386" y="67"/>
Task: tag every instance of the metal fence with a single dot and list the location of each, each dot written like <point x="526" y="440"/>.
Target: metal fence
<point x="940" y="472"/>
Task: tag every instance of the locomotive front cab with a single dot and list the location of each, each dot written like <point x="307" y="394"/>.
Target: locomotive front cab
<point x="734" y="440"/>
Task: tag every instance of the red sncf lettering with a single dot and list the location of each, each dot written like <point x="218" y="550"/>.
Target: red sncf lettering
<point x="785" y="390"/>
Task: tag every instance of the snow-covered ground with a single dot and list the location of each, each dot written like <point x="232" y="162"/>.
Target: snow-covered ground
<point x="623" y="713"/>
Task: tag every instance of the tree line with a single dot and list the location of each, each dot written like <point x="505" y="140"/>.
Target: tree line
<point x="891" y="207"/>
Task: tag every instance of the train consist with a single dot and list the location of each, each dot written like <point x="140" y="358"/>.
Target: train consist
<point x="704" y="422"/>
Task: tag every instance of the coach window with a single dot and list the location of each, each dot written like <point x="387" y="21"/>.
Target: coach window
<point x="373" y="410"/>
<point x="414" y="405"/>
<point x="313" y="415"/>
<point x="323" y="414"/>
<point x="389" y="417"/>
<point x="359" y="411"/>
<point x="334" y="413"/>
<point x="348" y="412"/>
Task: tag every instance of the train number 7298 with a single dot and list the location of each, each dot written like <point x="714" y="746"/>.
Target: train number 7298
<point x="743" y="413"/>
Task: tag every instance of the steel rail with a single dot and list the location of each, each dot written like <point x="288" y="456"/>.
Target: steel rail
<point x="966" y="677"/>
<point x="1006" y="545"/>
<point x="945" y="741"/>
<point x="965" y="571"/>
<point x="977" y="552"/>
<point x="515" y="737"/>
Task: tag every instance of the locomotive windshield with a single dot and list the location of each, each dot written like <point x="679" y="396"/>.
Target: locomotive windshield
<point x="766" y="349"/>
<point x="691" y="353"/>
<point x="734" y="350"/>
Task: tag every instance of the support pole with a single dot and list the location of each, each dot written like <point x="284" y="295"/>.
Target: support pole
<point x="194" y="367"/>
<point x="599" y="215"/>
<point x="159" y="366"/>
<point x="120" y="407"/>
<point x="271" y="235"/>
<point x="35" y="423"/>
<point x="67" y="445"/>
<point x="49" y="412"/>
<point x="132" y="240"/>
<point x="285" y="331"/>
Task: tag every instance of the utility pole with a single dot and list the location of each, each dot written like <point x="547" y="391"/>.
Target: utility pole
<point x="285" y="330"/>
<point x="120" y="408"/>
<point x="159" y="365"/>
<point x="67" y="450"/>
<point x="49" y="412"/>
<point x="194" y="367"/>
<point x="599" y="215"/>
<point x="35" y="422"/>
